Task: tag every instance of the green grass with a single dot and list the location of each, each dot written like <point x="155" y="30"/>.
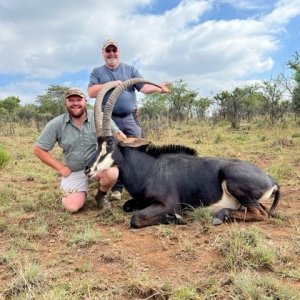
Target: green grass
<point x="203" y="216"/>
<point x="248" y="248"/>
<point x="281" y="169"/>
<point x="86" y="236"/>
<point x="255" y="286"/>
<point x="49" y="254"/>
<point x="166" y="232"/>
<point x="142" y="286"/>
<point x="29" y="280"/>
<point x="186" y="293"/>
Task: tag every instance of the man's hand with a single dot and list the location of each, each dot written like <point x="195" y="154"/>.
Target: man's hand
<point x="164" y="88"/>
<point x="65" y="171"/>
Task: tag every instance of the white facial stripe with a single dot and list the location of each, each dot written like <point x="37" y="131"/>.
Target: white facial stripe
<point x="106" y="163"/>
<point x="102" y="152"/>
<point x="103" y="162"/>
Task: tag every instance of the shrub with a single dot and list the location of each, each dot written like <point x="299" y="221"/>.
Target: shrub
<point x="4" y="157"/>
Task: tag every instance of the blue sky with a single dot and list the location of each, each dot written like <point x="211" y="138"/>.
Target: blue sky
<point x="213" y="45"/>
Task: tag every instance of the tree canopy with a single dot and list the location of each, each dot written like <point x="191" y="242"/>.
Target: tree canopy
<point x="266" y="99"/>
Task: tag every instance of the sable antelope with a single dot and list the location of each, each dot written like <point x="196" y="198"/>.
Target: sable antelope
<point x="162" y="180"/>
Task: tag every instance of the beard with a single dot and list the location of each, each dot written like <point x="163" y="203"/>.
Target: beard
<point x="112" y="62"/>
<point x="77" y="112"/>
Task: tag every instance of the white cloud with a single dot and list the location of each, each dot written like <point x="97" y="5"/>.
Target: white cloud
<point x="246" y="4"/>
<point x="46" y="39"/>
<point x="25" y="90"/>
<point x="283" y="12"/>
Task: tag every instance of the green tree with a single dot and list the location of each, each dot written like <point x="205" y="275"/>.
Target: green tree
<point x="28" y="112"/>
<point x="11" y="103"/>
<point x="201" y="105"/>
<point x="180" y="104"/>
<point x="242" y="103"/>
<point x="253" y="103"/>
<point x="273" y="93"/>
<point x="154" y="105"/>
<point x="296" y="101"/>
<point x="220" y="101"/>
<point x="294" y="65"/>
<point x="181" y="101"/>
<point x="53" y="101"/>
<point x="9" y="108"/>
<point x="231" y="106"/>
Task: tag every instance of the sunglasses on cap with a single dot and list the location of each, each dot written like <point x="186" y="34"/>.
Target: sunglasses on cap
<point x="108" y="50"/>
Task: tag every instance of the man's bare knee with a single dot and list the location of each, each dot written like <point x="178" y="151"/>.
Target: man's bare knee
<point x="74" y="202"/>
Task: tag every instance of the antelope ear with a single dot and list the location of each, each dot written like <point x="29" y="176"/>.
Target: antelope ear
<point x="134" y="142"/>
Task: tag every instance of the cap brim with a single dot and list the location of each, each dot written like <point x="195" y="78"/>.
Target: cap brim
<point x="74" y="95"/>
<point x="111" y="44"/>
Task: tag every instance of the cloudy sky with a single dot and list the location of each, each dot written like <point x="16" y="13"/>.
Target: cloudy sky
<point x="211" y="44"/>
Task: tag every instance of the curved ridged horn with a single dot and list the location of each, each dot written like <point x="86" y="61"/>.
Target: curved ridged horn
<point x="98" y="106"/>
<point x="113" y="98"/>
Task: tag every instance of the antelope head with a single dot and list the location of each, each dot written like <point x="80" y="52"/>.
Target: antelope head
<point x="104" y="157"/>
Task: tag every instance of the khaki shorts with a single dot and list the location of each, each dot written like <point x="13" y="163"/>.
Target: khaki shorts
<point x="75" y="182"/>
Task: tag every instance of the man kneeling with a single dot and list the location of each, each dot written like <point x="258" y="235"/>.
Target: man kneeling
<point x="75" y="133"/>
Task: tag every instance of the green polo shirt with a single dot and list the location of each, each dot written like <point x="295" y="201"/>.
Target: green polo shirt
<point x="78" y="144"/>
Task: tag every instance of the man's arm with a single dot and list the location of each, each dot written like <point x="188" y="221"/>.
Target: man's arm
<point x="149" y="89"/>
<point x="47" y="158"/>
<point x="96" y="88"/>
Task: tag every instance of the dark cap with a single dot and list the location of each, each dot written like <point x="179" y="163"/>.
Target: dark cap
<point x="75" y="91"/>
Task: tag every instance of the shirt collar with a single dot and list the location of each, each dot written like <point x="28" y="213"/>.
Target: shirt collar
<point x="67" y="118"/>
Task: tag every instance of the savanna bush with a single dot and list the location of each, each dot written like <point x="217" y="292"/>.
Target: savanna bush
<point x="4" y="157"/>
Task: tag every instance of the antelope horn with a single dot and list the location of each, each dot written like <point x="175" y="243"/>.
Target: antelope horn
<point x="98" y="106"/>
<point x="113" y="98"/>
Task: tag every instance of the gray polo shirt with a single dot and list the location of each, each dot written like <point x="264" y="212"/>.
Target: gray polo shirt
<point x="78" y="144"/>
<point x="126" y="102"/>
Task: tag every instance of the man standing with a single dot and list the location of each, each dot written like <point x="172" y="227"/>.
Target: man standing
<point x="75" y="133"/>
<point x="124" y="113"/>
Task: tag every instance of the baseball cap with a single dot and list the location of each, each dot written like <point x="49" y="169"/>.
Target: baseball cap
<point x="75" y="91"/>
<point x="110" y="43"/>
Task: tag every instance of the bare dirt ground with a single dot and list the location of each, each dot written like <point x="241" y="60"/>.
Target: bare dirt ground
<point x="168" y="260"/>
<point x="139" y="260"/>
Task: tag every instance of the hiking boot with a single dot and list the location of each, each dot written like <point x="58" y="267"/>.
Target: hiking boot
<point x="102" y="200"/>
<point x="116" y="195"/>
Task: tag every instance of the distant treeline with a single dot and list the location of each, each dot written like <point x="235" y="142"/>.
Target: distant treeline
<point x="271" y="99"/>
